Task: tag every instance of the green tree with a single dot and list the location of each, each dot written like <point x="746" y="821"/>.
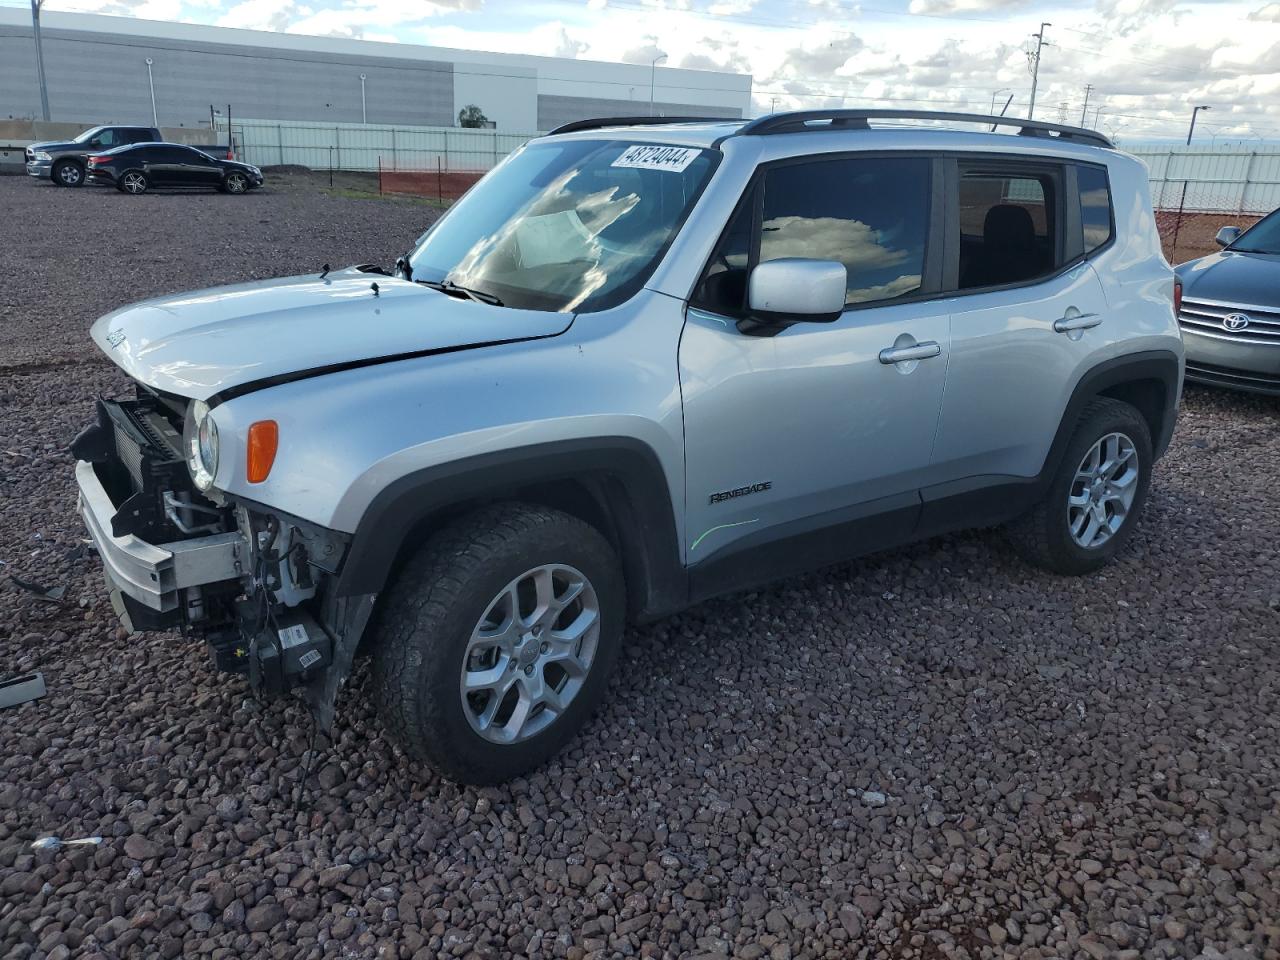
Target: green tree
<point x="472" y="116"/>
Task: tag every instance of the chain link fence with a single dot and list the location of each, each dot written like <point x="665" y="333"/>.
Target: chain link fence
<point x="1198" y="190"/>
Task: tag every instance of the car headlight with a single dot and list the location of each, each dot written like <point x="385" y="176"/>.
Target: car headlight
<point x="41" y="155"/>
<point x="201" y="435"/>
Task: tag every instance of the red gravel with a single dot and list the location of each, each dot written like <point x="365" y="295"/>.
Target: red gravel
<point x="936" y="752"/>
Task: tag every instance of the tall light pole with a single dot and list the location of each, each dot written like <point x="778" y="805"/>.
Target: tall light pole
<point x="155" y="120"/>
<point x="996" y="93"/>
<point x="1192" y="128"/>
<point x="1035" y="69"/>
<point x="653" y="76"/>
<point x="364" y="112"/>
<point x="35" y="29"/>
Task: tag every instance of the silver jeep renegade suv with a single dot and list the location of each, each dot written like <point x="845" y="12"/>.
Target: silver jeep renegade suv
<point x="640" y="364"/>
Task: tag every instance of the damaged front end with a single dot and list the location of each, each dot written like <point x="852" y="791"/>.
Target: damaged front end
<point x="254" y="583"/>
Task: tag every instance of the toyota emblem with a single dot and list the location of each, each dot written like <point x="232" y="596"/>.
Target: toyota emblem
<point x="1235" y="321"/>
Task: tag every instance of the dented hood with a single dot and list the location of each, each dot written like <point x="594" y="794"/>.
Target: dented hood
<point x="226" y="341"/>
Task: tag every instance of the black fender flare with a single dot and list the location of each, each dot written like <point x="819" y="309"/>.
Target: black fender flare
<point x="622" y="475"/>
<point x="1159" y="366"/>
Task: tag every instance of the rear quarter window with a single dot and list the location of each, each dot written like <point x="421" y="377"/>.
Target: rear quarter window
<point x="1095" y="207"/>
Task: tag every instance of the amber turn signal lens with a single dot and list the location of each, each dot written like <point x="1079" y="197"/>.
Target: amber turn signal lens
<point x="264" y="437"/>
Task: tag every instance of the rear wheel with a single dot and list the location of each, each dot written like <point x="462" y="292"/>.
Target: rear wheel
<point x="236" y="183"/>
<point x="497" y="640"/>
<point x="68" y="173"/>
<point x="1096" y="496"/>
<point x="133" y="181"/>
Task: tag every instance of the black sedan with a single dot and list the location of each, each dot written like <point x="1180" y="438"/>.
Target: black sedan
<point x="1230" y="311"/>
<point x="139" y="167"/>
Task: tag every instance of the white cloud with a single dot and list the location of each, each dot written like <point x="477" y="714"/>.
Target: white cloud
<point x="1268" y="14"/>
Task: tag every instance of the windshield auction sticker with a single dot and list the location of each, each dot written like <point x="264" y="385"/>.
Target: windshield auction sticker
<point x="646" y="157"/>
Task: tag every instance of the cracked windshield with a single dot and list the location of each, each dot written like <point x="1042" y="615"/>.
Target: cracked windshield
<point x="571" y="226"/>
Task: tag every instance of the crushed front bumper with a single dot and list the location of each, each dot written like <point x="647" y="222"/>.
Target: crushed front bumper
<point x="149" y="582"/>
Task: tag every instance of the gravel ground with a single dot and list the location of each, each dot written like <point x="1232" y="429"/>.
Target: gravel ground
<point x="933" y="753"/>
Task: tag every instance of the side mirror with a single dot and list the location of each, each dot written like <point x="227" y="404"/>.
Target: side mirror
<point x="95" y="142"/>
<point x="1227" y="235"/>
<point x="794" y="289"/>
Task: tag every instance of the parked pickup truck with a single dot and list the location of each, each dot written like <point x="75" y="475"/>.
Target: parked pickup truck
<point x="64" y="163"/>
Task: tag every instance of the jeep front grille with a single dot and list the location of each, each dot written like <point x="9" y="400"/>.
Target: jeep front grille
<point x="1209" y="318"/>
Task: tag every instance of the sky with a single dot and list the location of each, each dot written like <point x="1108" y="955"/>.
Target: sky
<point x="1148" y="61"/>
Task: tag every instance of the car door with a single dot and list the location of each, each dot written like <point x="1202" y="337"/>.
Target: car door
<point x="819" y="424"/>
<point x="1030" y="314"/>
<point x="162" y="164"/>
<point x="199" y="169"/>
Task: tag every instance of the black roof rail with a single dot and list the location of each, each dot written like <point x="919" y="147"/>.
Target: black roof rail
<point x="599" y="122"/>
<point x="802" y="120"/>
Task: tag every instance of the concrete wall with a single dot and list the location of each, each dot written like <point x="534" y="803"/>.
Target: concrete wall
<point x="97" y="73"/>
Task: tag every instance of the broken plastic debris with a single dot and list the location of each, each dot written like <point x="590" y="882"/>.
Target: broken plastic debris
<point x="51" y="594"/>
<point x="57" y="843"/>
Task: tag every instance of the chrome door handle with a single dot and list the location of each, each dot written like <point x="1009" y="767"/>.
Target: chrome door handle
<point x="920" y="351"/>
<point x="1079" y="321"/>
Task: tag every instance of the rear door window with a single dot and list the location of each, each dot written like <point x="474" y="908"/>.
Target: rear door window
<point x="1008" y="224"/>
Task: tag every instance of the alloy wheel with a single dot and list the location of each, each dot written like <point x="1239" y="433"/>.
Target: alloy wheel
<point x="236" y="183"/>
<point x="1102" y="490"/>
<point x="529" y="656"/>
<point x="134" y="182"/>
<point x="69" y="174"/>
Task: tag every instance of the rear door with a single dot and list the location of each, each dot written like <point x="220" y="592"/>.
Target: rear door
<point x="1029" y="315"/>
<point x="817" y="425"/>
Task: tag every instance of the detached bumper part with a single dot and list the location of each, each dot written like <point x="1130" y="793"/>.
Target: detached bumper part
<point x="146" y="580"/>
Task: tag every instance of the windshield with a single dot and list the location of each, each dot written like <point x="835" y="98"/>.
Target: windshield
<point x="88" y="135"/>
<point x="1262" y="237"/>
<point x="574" y="225"/>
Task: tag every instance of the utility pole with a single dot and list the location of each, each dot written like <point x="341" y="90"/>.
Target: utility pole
<point x="35" y="29"/>
<point x="1182" y="202"/>
<point x="1088" y="89"/>
<point x="364" y="111"/>
<point x="994" y="94"/>
<point x="1192" y="128"/>
<point x="653" y="76"/>
<point x="1035" y="69"/>
<point x="1062" y="111"/>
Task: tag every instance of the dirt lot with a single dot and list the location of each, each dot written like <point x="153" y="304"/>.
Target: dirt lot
<point x="1196" y="231"/>
<point x="933" y="753"/>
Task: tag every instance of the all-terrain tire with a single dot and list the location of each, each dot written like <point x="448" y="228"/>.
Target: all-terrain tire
<point x="1043" y="535"/>
<point x="426" y="622"/>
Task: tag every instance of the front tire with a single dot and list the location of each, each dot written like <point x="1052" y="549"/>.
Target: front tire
<point x="235" y="183"/>
<point x="496" y="642"/>
<point x="68" y="173"/>
<point x="134" y="182"/>
<point x="1096" y="496"/>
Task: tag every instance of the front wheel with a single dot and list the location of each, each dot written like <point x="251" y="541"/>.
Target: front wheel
<point x="68" y="173"/>
<point x="236" y="183"/>
<point x="134" y="181"/>
<point x="1094" y="499"/>
<point x="497" y="640"/>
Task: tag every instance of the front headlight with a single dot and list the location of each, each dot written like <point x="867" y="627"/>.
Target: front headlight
<point x="201" y="435"/>
<point x="41" y="155"/>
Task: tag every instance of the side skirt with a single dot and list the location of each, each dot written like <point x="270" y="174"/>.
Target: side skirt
<point x="852" y="532"/>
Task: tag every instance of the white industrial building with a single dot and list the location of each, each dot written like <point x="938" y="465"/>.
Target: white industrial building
<point x="97" y="71"/>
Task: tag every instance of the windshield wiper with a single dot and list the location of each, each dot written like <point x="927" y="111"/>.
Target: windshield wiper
<point x="1270" y="253"/>
<point x="456" y="290"/>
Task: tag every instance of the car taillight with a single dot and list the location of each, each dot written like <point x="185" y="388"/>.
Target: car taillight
<point x="1177" y="296"/>
<point x="94" y="161"/>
